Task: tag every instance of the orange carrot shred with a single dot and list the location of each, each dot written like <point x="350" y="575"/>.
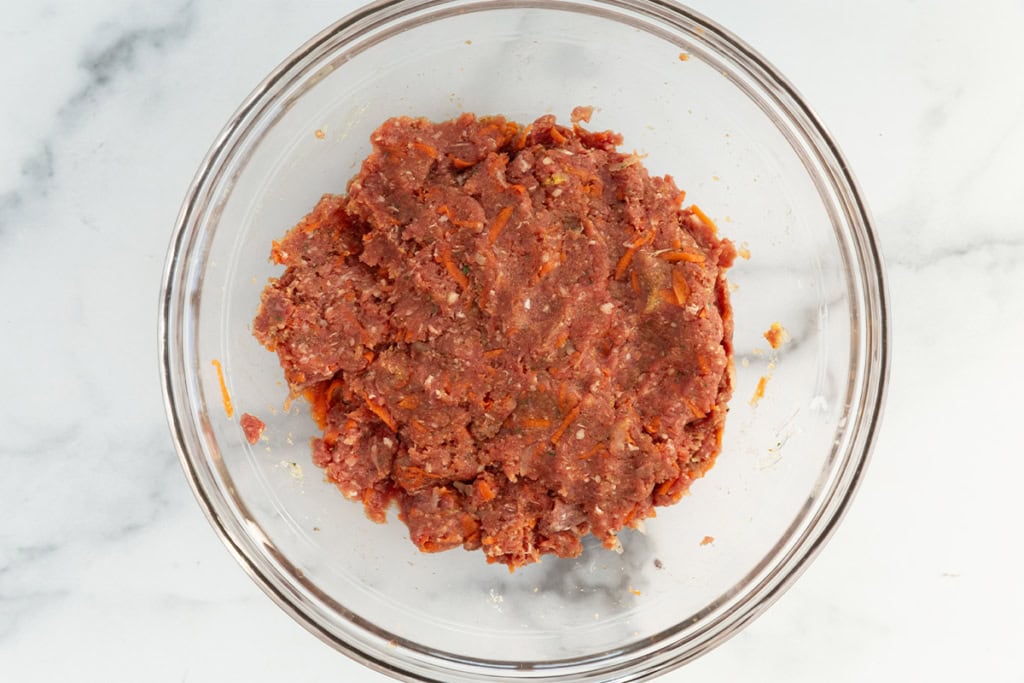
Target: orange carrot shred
<point x="485" y="490"/>
<point x="276" y="255"/>
<point x="493" y="353"/>
<point x="444" y="210"/>
<point x="536" y="423"/>
<point x="453" y="270"/>
<point x="499" y="224"/>
<point x="634" y="281"/>
<point x="569" y="419"/>
<point x="668" y="296"/>
<point x="521" y="142"/>
<point x="759" y="392"/>
<point x="562" y="394"/>
<point x="460" y="163"/>
<point x="547" y="268"/>
<point x="426" y="149"/>
<point x="382" y="413"/>
<point x="703" y="217"/>
<point x="689" y="257"/>
<point x="225" y="397"/>
<point x="680" y="286"/>
<point x="697" y="412"/>
<point x="408" y="402"/>
<point x="680" y="198"/>
<point x="557" y="136"/>
<point x="623" y="264"/>
<point x="654" y="427"/>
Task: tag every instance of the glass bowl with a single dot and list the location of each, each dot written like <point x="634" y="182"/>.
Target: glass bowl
<point x="704" y="107"/>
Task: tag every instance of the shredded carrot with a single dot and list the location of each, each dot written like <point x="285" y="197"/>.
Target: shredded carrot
<point x="634" y="591"/>
<point x="563" y="394"/>
<point x="276" y="255"/>
<point x="408" y="403"/>
<point x="664" y="486"/>
<point x="654" y="427"/>
<point x="703" y="217"/>
<point x="225" y="397"/>
<point x="319" y="134"/>
<point x="697" y="412"/>
<point x="429" y="150"/>
<point x="382" y="413"/>
<point x="320" y="396"/>
<point x="444" y="210"/>
<point x="484" y="489"/>
<point x="759" y="392"/>
<point x="668" y="296"/>
<point x="536" y="422"/>
<point x="580" y="173"/>
<point x="680" y="198"/>
<point x="460" y="163"/>
<point x="707" y="540"/>
<point x="331" y="437"/>
<point x="623" y="264"/>
<point x="680" y="286"/>
<point x="683" y="57"/>
<point x="411" y="477"/>
<point x="521" y="142"/>
<point x="702" y="362"/>
<point x="446" y="260"/>
<point x="368" y="355"/>
<point x="562" y="339"/>
<point x="499" y="224"/>
<point x="634" y="281"/>
<point x="689" y="257"/>
<point x="569" y="419"/>
<point x="493" y="353"/>
<point x="547" y="268"/>
<point x="557" y="136"/>
<point x="592" y="450"/>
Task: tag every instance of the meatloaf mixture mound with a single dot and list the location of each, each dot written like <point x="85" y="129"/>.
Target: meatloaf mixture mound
<point x="513" y="332"/>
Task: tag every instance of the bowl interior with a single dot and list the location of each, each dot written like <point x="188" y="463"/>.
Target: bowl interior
<point x="702" y="120"/>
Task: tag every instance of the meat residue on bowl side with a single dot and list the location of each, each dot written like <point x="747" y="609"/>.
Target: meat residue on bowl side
<point x="513" y="332"/>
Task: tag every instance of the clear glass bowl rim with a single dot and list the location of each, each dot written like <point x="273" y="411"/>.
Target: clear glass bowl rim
<point x="637" y="662"/>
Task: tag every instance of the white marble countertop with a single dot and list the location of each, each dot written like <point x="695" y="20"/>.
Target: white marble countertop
<point x="108" y="570"/>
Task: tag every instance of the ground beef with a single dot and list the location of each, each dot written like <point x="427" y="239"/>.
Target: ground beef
<point x="252" y="427"/>
<point x="514" y="333"/>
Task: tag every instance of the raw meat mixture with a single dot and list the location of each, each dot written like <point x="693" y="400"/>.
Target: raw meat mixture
<point x="513" y="332"/>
